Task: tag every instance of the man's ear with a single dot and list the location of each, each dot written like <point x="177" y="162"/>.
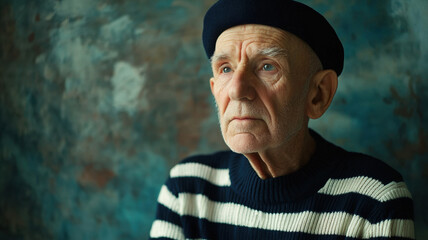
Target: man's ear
<point x="212" y="85"/>
<point x="321" y="93"/>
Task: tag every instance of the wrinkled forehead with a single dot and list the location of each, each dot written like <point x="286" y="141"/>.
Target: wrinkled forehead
<point x="254" y="39"/>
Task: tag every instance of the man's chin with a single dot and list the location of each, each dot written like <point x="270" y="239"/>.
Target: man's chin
<point x="244" y="145"/>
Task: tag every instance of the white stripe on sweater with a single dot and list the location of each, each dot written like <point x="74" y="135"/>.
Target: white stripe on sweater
<point x="336" y="223"/>
<point x="167" y="230"/>
<point x="168" y="199"/>
<point x="361" y="184"/>
<point x="219" y="177"/>
<point x="366" y="186"/>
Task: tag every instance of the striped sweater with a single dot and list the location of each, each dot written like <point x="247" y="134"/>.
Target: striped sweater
<point x="337" y="195"/>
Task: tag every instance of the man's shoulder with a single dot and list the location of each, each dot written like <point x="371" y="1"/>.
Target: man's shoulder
<point x="360" y="164"/>
<point x="366" y="176"/>
<point x="350" y="164"/>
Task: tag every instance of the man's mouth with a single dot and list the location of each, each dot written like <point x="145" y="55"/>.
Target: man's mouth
<point x="243" y="118"/>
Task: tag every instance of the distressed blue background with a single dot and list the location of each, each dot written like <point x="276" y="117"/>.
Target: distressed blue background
<point x="100" y="98"/>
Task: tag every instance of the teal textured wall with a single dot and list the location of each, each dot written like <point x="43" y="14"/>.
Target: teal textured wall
<point x="99" y="99"/>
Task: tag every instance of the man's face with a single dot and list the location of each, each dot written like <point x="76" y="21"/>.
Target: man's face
<point x="260" y="87"/>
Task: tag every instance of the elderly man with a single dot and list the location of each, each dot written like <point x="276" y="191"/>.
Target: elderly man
<point x="275" y="66"/>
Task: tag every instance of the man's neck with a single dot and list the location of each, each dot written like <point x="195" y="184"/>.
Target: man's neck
<point x="285" y="159"/>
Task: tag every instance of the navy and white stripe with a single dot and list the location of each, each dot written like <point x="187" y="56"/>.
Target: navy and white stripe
<point x="210" y="197"/>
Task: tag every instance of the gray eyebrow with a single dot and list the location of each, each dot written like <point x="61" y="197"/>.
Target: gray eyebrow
<point x="273" y="52"/>
<point x="268" y="52"/>
<point x="215" y="58"/>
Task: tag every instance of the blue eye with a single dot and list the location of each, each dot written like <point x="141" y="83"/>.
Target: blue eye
<point x="226" y="70"/>
<point x="268" y="67"/>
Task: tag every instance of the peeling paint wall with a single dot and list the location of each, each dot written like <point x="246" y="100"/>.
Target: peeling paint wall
<point x="98" y="99"/>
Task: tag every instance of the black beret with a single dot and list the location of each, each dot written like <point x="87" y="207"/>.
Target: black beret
<point x="291" y="16"/>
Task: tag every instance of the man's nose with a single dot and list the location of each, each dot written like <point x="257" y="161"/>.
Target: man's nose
<point x="241" y="85"/>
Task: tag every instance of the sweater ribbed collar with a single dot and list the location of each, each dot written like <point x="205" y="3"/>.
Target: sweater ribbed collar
<point x="288" y="188"/>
